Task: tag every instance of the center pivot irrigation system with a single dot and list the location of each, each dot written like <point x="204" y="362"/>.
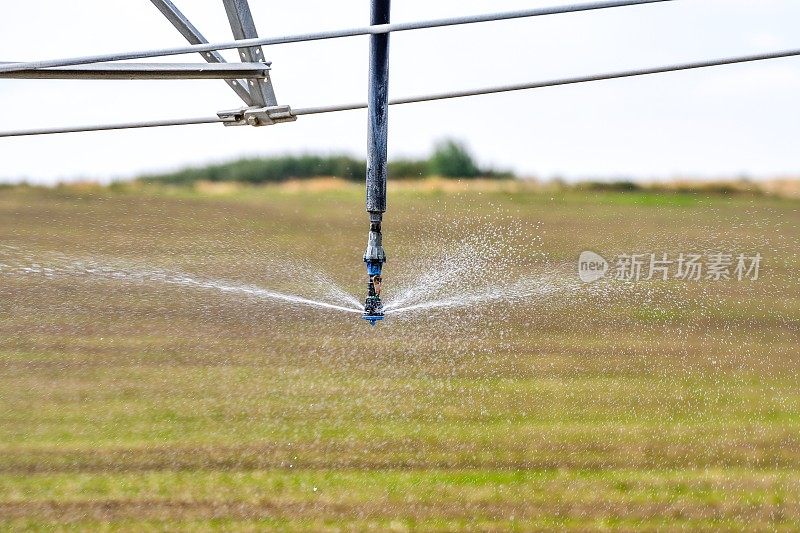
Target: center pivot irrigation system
<point x="251" y="81"/>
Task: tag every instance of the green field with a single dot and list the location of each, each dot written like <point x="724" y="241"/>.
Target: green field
<point x="130" y="404"/>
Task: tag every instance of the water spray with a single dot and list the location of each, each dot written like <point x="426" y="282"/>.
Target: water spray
<point x="377" y="135"/>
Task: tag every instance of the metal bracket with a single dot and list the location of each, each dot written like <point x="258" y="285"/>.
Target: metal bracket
<point x="257" y="116"/>
<point x="243" y="27"/>
<point x="258" y="94"/>
<point x="193" y="35"/>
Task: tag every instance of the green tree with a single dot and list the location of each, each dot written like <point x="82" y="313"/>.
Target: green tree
<point x="451" y="159"/>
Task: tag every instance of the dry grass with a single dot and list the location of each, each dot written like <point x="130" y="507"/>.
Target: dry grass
<point x="128" y="406"/>
<point x="786" y="188"/>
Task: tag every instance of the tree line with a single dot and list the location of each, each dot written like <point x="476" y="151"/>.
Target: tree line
<point x="449" y="159"/>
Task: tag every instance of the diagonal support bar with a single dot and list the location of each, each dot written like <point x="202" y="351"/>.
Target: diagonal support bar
<point x="193" y="35"/>
<point x="243" y="26"/>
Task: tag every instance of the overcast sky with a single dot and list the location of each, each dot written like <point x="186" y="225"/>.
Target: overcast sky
<point x="718" y="122"/>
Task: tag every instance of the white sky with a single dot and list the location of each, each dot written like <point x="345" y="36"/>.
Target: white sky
<point x="718" y="122"/>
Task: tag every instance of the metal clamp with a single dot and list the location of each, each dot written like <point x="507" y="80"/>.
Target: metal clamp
<point x="257" y="116"/>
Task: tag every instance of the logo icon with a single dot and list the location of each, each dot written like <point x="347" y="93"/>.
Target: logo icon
<point x="591" y="267"/>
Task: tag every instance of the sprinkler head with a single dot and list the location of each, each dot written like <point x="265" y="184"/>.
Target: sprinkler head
<point x="373" y="307"/>
<point x="374" y="257"/>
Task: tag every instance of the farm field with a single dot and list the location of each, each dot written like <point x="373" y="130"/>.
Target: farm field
<point x="147" y="382"/>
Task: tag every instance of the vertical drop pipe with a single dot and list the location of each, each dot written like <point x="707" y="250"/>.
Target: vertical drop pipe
<point x="377" y="135"/>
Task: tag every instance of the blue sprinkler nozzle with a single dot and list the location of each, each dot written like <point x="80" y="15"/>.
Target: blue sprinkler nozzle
<point x="372" y="319"/>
